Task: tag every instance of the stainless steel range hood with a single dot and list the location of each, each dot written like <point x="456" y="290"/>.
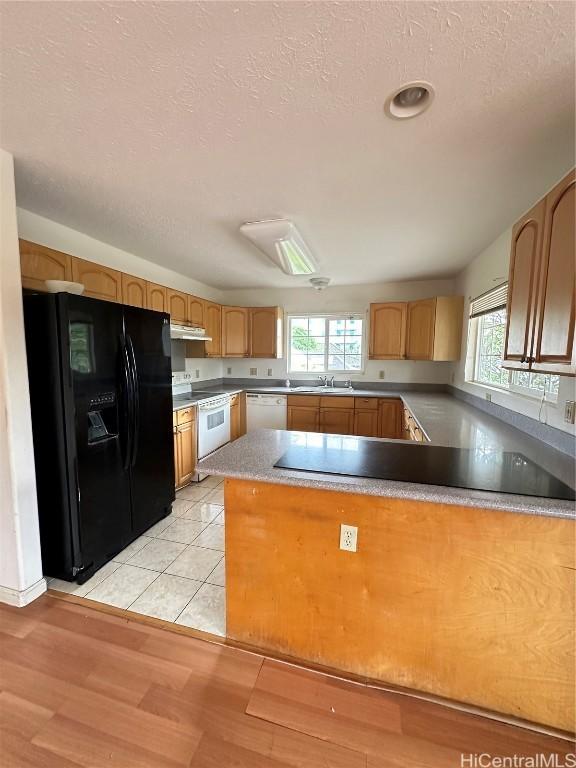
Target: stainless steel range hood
<point x="188" y="332"/>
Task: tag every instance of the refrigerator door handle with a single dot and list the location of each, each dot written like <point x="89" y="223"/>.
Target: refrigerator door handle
<point x="128" y="403"/>
<point x="136" y="402"/>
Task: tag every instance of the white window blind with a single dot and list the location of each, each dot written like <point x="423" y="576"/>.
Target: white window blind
<point x="491" y="301"/>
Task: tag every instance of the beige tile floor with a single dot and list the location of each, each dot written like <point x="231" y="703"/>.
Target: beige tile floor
<point x="176" y="571"/>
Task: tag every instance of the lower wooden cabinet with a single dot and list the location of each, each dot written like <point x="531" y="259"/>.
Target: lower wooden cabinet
<point x="235" y="418"/>
<point x="185" y="440"/>
<point x="337" y="421"/>
<point x="366" y="423"/>
<point x="303" y="418"/>
<point x="390" y="418"/>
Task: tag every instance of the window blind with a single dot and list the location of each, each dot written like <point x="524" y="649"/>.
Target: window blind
<point x="490" y="301"/>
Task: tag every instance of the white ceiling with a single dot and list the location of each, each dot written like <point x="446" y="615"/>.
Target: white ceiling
<point x="160" y="128"/>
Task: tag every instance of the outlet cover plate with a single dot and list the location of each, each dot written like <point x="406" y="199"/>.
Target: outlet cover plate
<point x="349" y="538"/>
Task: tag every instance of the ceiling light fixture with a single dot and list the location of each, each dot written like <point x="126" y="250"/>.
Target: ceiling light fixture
<point x="409" y="100"/>
<point x="319" y="283"/>
<point x="283" y="244"/>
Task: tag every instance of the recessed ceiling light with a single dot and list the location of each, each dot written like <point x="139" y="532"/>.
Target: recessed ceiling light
<point x="319" y="283"/>
<point x="409" y="100"/>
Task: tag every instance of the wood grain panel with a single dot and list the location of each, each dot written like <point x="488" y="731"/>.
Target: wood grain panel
<point x="303" y="418"/>
<point x="390" y="417"/>
<point x="99" y="282"/>
<point x="85" y="687"/>
<point x="310" y="401"/>
<point x="366" y="423"/>
<point x="438" y="598"/>
<point x="39" y="263"/>
<point x="448" y="321"/>
<point x="337" y="421"/>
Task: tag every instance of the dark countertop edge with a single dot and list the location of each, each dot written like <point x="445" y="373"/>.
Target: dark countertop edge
<point x="527" y="505"/>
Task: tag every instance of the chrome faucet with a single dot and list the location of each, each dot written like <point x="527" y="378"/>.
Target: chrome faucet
<point x="331" y="382"/>
<point x="323" y="380"/>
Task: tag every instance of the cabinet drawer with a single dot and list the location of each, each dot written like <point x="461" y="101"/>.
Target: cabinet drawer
<point x="308" y="401"/>
<point x="366" y="403"/>
<point x="184" y="415"/>
<point x="336" y="401"/>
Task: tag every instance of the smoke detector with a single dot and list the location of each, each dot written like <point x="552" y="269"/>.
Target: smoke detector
<point x="319" y="283"/>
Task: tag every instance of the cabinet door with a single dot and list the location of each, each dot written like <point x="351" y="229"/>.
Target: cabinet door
<point x="420" y="329"/>
<point x="186" y="451"/>
<point x="177" y="305"/>
<point x="176" y="458"/>
<point x="337" y="421"/>
<point x="554" y="348"/>
<point x="234" y="332"/>
<point x="303" y="419"/>
<point x="235" y="431"/>
<point x="133" y="291"/>
<point x="156" y="298"/>
<point x="38" y="263"/>
<point x="265" y="332"/>
<point x="522" y="286"/>
<point x="366" y="423"/>
<point x="213" y="316"/>
<point x="387" y="331"/>
<point x="196" y="311"/>
<point x="99" y="282"/>
<point x="390" y="415"/>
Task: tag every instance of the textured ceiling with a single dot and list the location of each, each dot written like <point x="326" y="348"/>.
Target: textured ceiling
<point x="160" y="128"/>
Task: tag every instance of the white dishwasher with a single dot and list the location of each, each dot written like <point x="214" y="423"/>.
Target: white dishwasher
<point x="266" y="411"/>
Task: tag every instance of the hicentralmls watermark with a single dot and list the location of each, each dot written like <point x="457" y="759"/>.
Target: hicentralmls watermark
<point x="540" y="760"/>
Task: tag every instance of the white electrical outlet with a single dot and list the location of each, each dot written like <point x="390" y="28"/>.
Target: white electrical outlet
<point x="253" y="371"/>
<point x="197" y="373"/>
<point x="381" y="374"/>
<point x="570" y="411"/>
<point x="348" y="538"/>
<point x="269" y="371"/>
<point x="489" y="396"/>
<point x="228" y="371"/>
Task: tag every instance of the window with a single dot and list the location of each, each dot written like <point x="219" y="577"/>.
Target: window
<point x="324" y="344"/>
<point x="486" y="348"/>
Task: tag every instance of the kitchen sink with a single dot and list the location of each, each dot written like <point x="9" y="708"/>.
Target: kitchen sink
<point x="324" y="390"/>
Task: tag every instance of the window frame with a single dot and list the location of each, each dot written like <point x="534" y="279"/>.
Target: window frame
<point x="472" y="361"/>
<point x="327" y="316"/>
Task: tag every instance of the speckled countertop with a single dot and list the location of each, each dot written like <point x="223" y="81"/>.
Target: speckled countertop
<point x="444" y="419"/>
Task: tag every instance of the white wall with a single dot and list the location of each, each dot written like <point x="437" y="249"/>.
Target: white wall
<point x="353" y="298"/>
<point x="20" y="562"/>
<point x="50" y="233"/>
<point x="486" y="271"/>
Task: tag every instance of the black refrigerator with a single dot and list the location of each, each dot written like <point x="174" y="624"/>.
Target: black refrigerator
<point x="100" y="387"/>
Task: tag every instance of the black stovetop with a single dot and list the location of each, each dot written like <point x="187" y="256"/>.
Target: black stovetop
<point x="476" y="469"/>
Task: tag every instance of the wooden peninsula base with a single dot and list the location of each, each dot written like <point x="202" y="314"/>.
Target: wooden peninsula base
<point x="470" y="604"/>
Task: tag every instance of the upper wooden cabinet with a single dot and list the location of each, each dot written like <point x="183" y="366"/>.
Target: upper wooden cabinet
<point x="523" y="285"/>
<point x="387" y="331"/>
<point x="99" y="282"/>
<point x="156" y="297"/>
<point x="420" y="329"/>
<point x="556" y="315"/>
<point x="235" y="331"/>
<point x="429" y="329"/>
<point x="133" y="291"/>
<point x="39" y="263"/>
<point x="542" y="286"/>
<point x="213" y="325"/>
<point x="196" y="309"/>
<point x="265" y="332"/>
<point x="434" y="328"/>
<point x="177" y="305"/>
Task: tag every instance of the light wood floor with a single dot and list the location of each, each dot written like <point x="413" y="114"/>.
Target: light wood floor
<point x="79" y="687"/>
